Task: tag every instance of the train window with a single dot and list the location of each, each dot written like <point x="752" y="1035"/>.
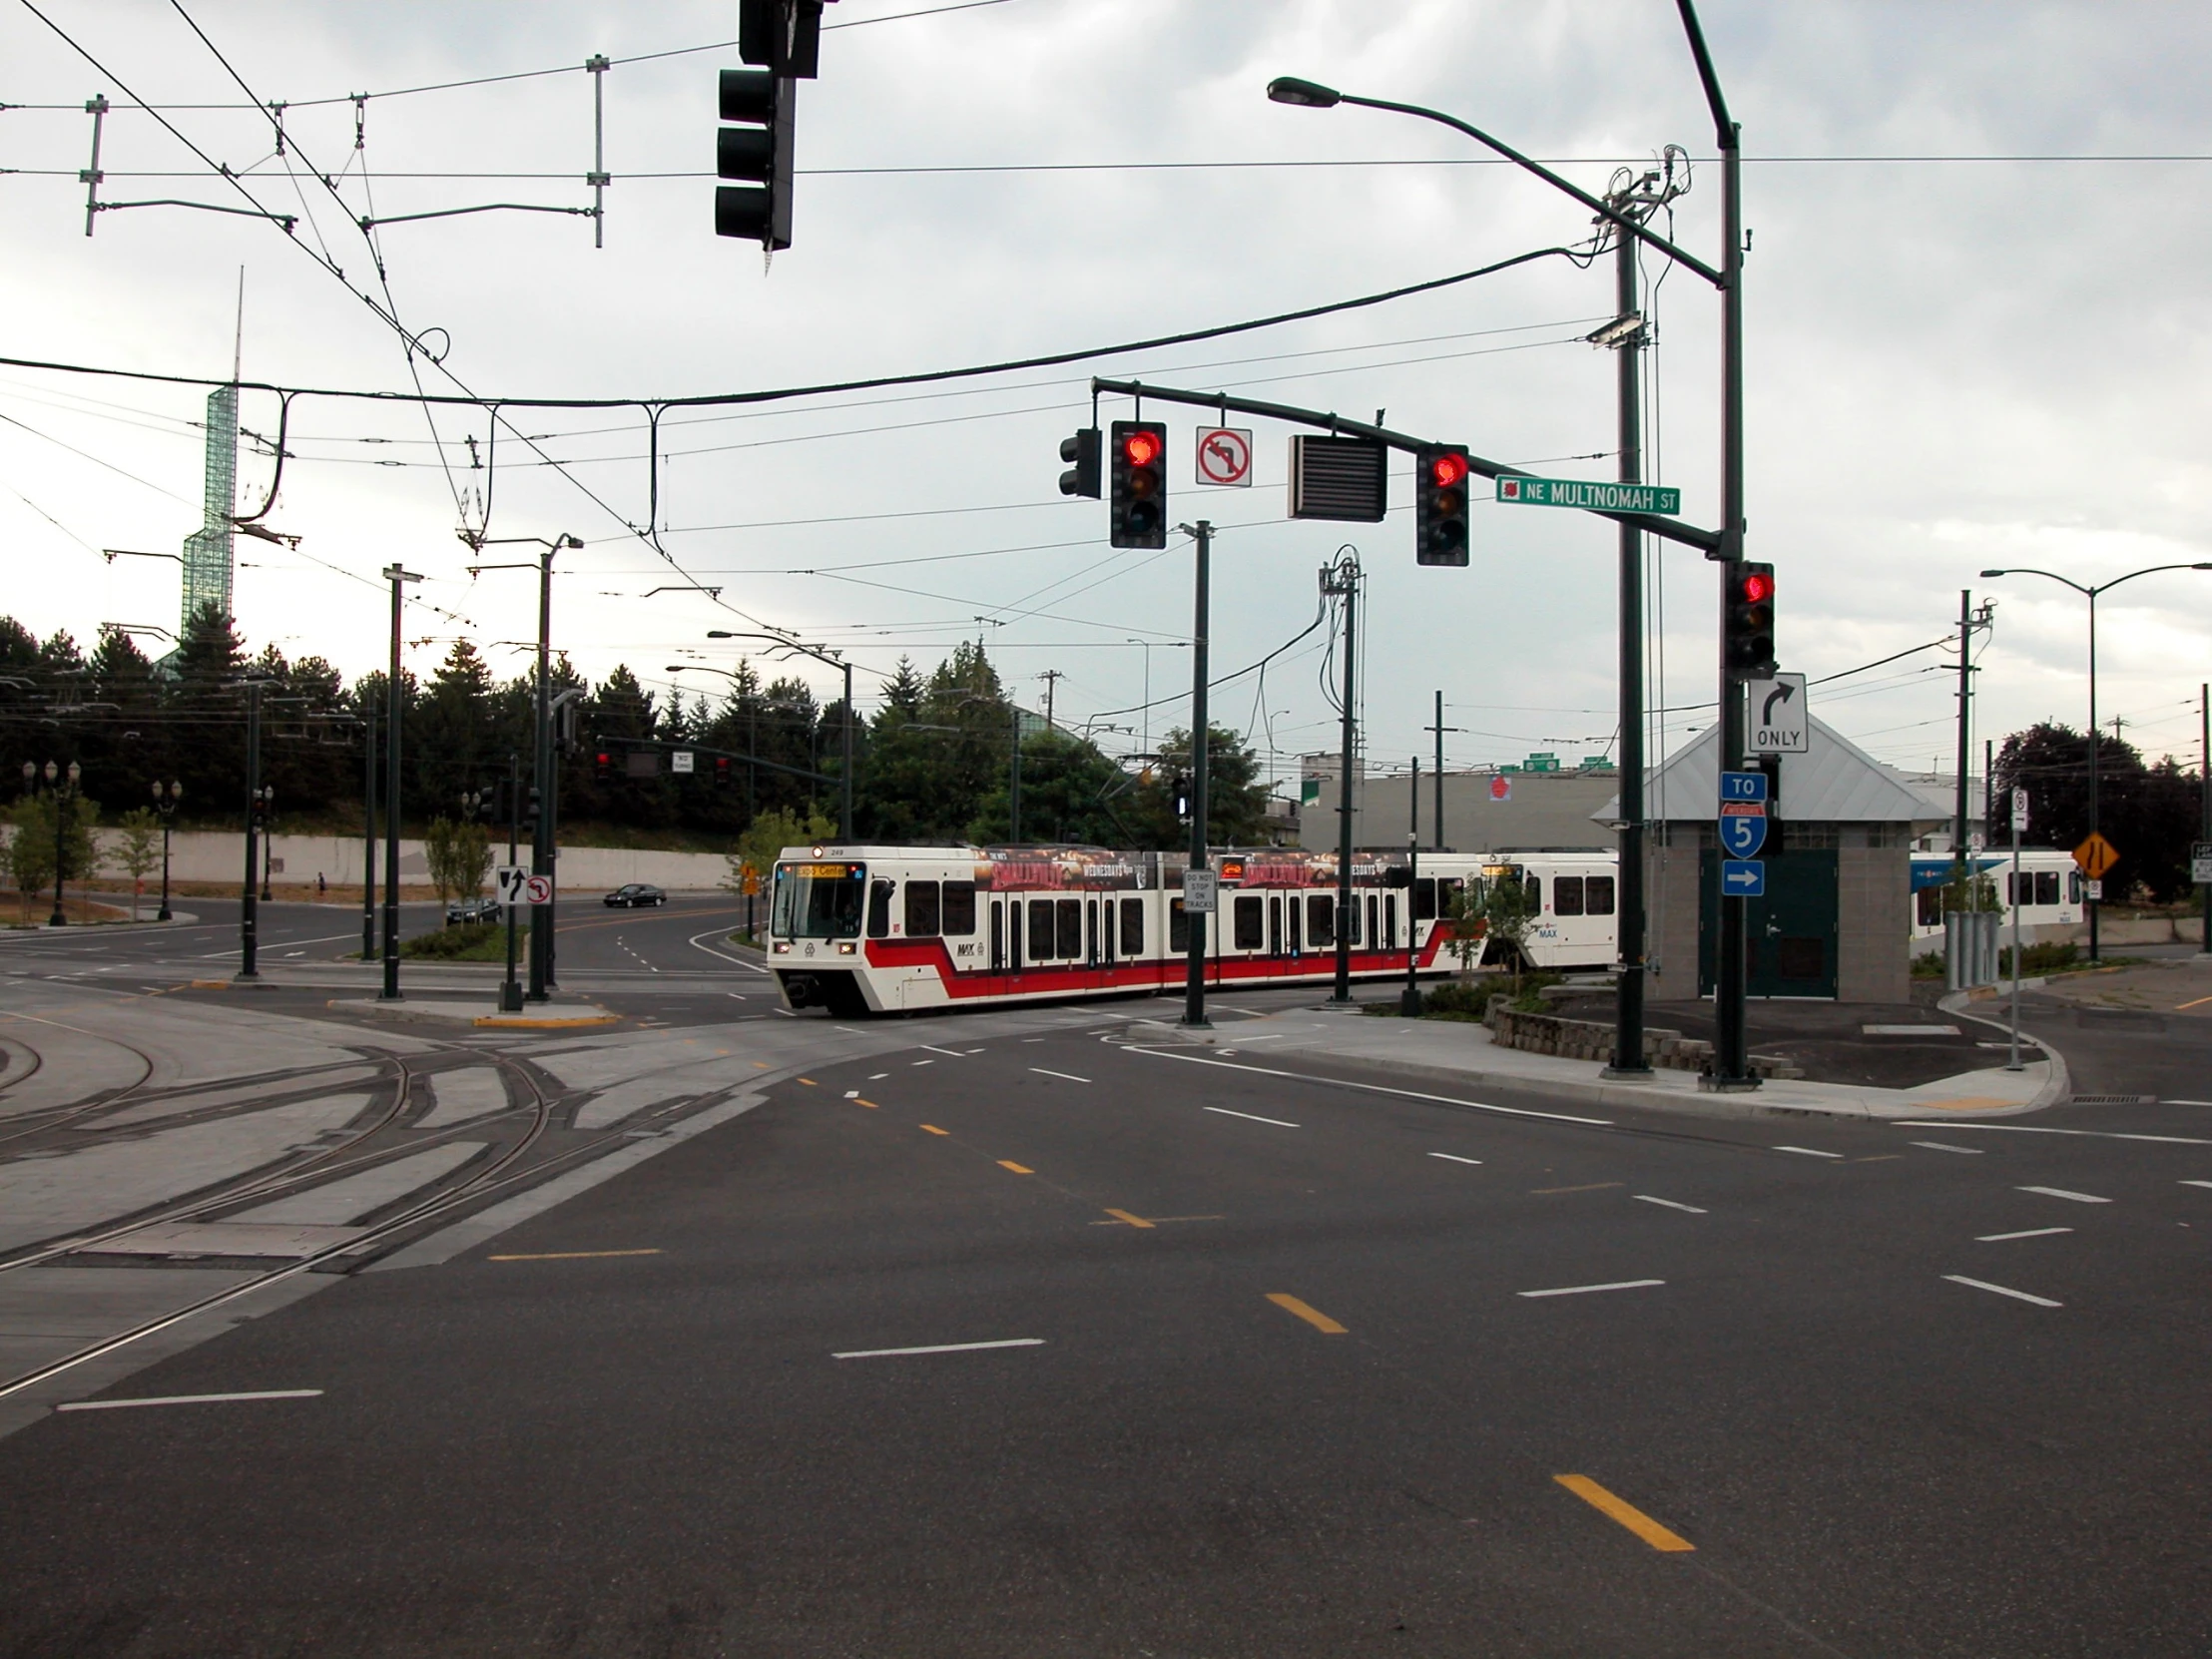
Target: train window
<point x="958" y="915"/>
<point x="921" y="910"/>
<point x="1040" y="930"/>
<point x="1070" y="911"/>
<point x="1425" y="899"/>
<point x="1535" y="895"/>
<point x="1375" y="941"/>
<point x="1013" y="934"/>
<point x="1349" y="921"/>
<point x="879" y="909"/>
<point x="1131" y="928"/>
<point x="1251" y="921"/>
<point x="1179" y="928"/>
<point x="1388" y="935"/>
<point x="2073" y="886"/>
<point x="2046" y="886"/>
<point x="817" y="901"/>
<point x="1931" y="904"/>
<point x="1320" y="915"/>
<point x="1566" y="896"/>
<point x="1598" y="895"/>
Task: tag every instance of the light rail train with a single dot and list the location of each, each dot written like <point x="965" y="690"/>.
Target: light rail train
<point x="2050" y="893"/>
<point x="891" y="929"/>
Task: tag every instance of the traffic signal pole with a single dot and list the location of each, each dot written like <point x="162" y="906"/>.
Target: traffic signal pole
<point x="1195" y="924"/>
<point x="1342" y="580"/>
<point x="399" y="578"/>
<point x="1628" y="991"/>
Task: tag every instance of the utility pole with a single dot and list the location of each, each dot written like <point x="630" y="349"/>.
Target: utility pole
<point x="248" y="918"/>
<point x="1051" y="678"/>
<point x="1436" y="832"/>
<point x="510" y="989"/>
<point x="369" y="832"/>
<point x="398" y="577"/>
<point x="1409" y="1003"/>
<point x="1341" y="580"/>
<point x="1013" y="774"/>
<point x="1194" y="923"/>
<point x="1966" y="694"/>
<point x="2204" y="781"/>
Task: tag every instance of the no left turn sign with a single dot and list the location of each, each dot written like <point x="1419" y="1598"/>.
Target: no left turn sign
<point x="1225" y="456"/>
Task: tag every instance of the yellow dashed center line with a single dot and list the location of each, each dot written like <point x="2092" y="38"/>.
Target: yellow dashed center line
<point x="934" y="1130"/>
<point x="1018" y="1169"/>
<point x="1312" y="1316"/>
<point x="571" y="1255"/>
<point x="1619" y="1510"/>
<point x="1126" y="1217"/>
<point x="809" y="1082"/>
<point x="870" y="1104"/>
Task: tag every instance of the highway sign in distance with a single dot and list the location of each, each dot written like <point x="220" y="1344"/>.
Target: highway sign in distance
<point x="1592" y="497"/>
<point x="1199" y="888"/>
<point x="2097" y="856"/>
<point x="507" y="883"/>
<point x="1225" y="456"/>
<point x="537" y="889"/>
<point x="2200" y="862"/>
<point x="680" y="762"/>
<point x="1780" y="724"/>
<point x="1743" y="879"/>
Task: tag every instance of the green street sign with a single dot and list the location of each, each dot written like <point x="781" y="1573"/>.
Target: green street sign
<point x="1581" y="492"/>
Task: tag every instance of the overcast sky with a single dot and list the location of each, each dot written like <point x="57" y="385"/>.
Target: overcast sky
<point x="1953" y="361"/>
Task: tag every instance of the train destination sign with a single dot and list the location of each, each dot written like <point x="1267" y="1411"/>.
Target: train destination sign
<point x="1590" y="495"/>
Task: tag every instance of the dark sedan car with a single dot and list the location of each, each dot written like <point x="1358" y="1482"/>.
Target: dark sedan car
<point x="637" y="892"/>
<point x="463" y="911"/>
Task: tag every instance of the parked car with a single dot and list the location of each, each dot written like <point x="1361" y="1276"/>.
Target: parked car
<point x="637" y="892"/>
<point x="463" y="911"/>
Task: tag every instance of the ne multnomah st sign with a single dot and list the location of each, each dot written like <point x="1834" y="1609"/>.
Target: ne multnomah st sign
<point x="1588" y="495"/>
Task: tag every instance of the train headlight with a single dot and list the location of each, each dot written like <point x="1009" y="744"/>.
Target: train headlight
<point x="782" y="947"/>
<point x="847" y="948"/>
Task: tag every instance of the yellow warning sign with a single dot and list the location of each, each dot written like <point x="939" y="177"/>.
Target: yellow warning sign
<point x="2097" y="856"/>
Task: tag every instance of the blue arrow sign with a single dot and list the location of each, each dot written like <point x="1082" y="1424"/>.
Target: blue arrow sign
<point x="1744" y="833"/>
<point x="1743" y="785"/>
<point x="1743" y="879"/>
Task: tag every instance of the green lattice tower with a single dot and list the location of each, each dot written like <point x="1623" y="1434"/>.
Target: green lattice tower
<point x="207" y="550"/>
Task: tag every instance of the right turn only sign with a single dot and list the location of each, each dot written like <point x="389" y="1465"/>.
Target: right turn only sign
<point x="1779" y="722"/>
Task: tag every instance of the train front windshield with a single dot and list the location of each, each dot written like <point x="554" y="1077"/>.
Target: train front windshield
<point x="819" y="902"/>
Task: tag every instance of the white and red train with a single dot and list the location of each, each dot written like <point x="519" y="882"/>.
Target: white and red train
<point x="890" y="930"/>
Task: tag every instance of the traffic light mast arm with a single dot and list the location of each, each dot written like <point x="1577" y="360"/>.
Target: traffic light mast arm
<point x="1690" y="535"/>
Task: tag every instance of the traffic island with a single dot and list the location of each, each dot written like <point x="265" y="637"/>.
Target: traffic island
<point x="535" y="1017"/>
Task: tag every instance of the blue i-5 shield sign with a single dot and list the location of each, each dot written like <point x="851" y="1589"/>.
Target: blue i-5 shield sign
<point x="1743" y="833"/>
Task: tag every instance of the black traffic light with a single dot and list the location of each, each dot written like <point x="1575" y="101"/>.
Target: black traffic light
<point x="1082" y="451"/>
<point x="759" y="152"/>
<point x="1441" y="505"/>
<point x="1180" y="791"/>
<point x="603" y="766"/>
<point x="1747" y="620"/>
<point x="722" y="772"/>
<point x="1138" y="513"/>
<point x="781" y="35"/>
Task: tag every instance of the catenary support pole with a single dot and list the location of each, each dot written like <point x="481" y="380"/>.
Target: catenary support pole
<point x="845" y="827"/>
<point x="1343" y="580"/>
<point x="249" y="906"/>
<point x="1409" y="1003"/>
<point x="1628" y="990"/>
<point x="399" y="578"/>
<point x="541" y="839"/>
<point x="511" y="988"/>
<point x="1437" y="831"/>
<point x="2204" y="781"/>
<point x="1196" y="926"/>
<point x="2095" y="904"/>
<point x="1962" y="809"/>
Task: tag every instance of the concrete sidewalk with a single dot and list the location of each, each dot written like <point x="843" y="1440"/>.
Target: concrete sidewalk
<point x="1461" y="1054"/>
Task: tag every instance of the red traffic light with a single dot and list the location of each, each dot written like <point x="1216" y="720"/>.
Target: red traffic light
<point x="1140" y="448"/>
<point x="1446" y="467"/>
<point x="1758" y="587"/>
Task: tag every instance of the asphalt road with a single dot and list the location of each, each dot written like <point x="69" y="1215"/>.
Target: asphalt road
<point x="1305" y="1367"/>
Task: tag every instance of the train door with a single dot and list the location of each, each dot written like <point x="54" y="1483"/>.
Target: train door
<point x="1275" y="925"/>
<point x="1375" y="940"/>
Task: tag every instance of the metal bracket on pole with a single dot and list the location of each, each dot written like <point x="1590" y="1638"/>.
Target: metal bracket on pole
<point x="597" y="178"/>
<point x="90" y="176"/>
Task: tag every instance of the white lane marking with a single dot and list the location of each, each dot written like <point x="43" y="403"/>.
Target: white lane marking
<point x="1453" y="1157"/>
<point x="786" y="1012"/>
<point x="1249" y="1117"/>
<point x="850" y="1031"/>
<point x="1808" y="1152"/>
<point x="187" y="1400"/>
<point x="937" y="1348"/>
<point x="1372" y="1088"/>
<point x="975" y="1052"/>
<point x="1939" y="1145"/>
<point x="2185" y="1103"/>
<point x="877" y="1076"/>
<point x="2197" y="1183"/>
<point x="933" y="1048"/>
<point x="853" y="1094"/>
<point x="1585" y="1289"/>
<point x="739" y="995"/>
<point x="1691" y="1209"/>
<point x="1266" y="1037"/>
<point x="693" y="941"/>
<point x="2060" y="1192"/>
<point x="1999" y="1290"/>
<point x="2038" y="1129"/>
<point x="924" y="1062"/>
<point x="1068" y="1075"/>
<point x="2028" y="1233"/>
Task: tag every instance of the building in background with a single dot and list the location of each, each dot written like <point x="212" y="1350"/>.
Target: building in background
<point x="1538" y="804"/>
<point x="208" y="549"/>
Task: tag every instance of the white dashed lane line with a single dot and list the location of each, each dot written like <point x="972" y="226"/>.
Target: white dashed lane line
<point x="1064" y="1076"/>
<point x="1689" y="1209"/>
<point x="1808" y="1152"/>
<point x="1999" y="1290"/>
<point x="2060" y="1192"/>
<point x="1944" y="1146"/>
<point x="1249" y="1117"/>
<point x="2028" y="1233"/>
<point x="1454" y="1158"/>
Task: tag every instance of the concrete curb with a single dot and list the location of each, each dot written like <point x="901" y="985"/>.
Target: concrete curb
<point x="2056" y="1090"/>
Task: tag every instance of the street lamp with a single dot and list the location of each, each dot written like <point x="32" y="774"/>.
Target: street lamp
<point x="2095" y="905"/>
<point x="541" y="846"/>
<point x="836" y="661"/>
<point x="61" y="786"/>
<point x="1731" y="1068"/>
<point x="166" y="797"/>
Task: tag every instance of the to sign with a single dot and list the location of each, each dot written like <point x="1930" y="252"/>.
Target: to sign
<point x="2200" y="862"/>
<point x="1199" y="888"/>
<point x="507" y="883"/>
<point x="1743" y="785"/>
<point x="1225" y="456"/>
<point x="2097" y="856"/>
<point x="1780" y="724"/>
<point x="537" y="889"/>
<point x="1593" y="497"/>
<point x="1743" y="879"/>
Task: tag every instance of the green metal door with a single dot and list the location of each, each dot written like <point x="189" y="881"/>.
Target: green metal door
<point x="1791" y="932"/>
